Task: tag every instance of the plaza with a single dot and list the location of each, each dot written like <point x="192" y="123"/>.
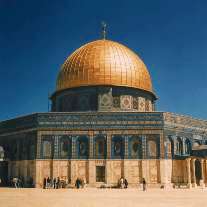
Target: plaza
<point x="92" y="197"/>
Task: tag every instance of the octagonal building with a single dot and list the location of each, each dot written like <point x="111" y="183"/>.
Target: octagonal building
<point x="103" y="126"/>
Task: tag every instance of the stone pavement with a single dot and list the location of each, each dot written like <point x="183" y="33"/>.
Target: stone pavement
<point x="92" y="197"/>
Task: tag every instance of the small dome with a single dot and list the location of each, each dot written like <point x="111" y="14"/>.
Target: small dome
<point x="104" y="62"/>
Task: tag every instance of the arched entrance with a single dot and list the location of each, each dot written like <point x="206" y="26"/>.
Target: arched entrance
<point x="198" y="171"/>
<point x="3" y="168"/>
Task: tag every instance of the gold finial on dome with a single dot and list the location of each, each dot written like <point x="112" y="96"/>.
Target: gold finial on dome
<point x="103" y="31"/>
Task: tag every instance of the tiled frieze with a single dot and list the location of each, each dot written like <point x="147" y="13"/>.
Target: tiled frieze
<point x="105" y="120"/>
<point x="84" y="121"/>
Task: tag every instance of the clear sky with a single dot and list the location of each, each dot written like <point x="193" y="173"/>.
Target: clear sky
<point x="37" y="36"/>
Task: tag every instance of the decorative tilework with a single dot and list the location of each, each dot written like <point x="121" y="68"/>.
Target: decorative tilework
<point x="147" y="105"/>
<point x="150" y="105"/>
<point x="126" y="102"/>
<point x="116" y="102"/>
<point x="105" y="102"/>
<point x="141" y="104"/>
<point x="84" y="121"/>
<point x="135" y="103"/>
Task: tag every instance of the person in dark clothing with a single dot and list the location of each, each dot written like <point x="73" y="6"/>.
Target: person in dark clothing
<point x="58" y="183"/>
<point x="48" y="182"/>
<point x="44" y="183"/>
<point x="125" y="183"/>
<point x="77" y="183"/>
<point x="30" y="182"/>
<point x="144" y="183"/>
<point x="54" y="183"/>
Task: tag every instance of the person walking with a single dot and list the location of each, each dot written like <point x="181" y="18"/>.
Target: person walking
<point x="122" y="183"/>
<point x="44" y="183"/>
<point x="15" y="181"/>
<point x="48" y="183"/>
<point x="125" y="183"/>
<point x="77" y="183"/>
<point x="84" y="182"/>
<point x="58" y="183"/>
<point x="144" y="183"/>
<point x="54" y="183"/>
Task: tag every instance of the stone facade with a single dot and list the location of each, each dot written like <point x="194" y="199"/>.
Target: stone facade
<point x="101" y="147"/>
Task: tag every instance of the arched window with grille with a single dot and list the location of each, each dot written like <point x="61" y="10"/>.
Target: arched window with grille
<point x="135" y="147"/>
<point x="65" y="147"/>
<point x="152" y="149"/>
<point x="82" y="147"/>
<point x="117" y="146"/>
<point x="100" y="146"/>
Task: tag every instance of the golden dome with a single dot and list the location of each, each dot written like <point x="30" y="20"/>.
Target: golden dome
<point x="104" y="62"/>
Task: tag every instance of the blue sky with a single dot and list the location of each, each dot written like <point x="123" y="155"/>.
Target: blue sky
<point x="37" y="36"/>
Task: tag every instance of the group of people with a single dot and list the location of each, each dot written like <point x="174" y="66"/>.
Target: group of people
<point x="51" y="183"/>
<point x="122" y="183"/>
<point x="80" y="183"/>
<point x="56" y="183"/>
<point x="17" y="182"/>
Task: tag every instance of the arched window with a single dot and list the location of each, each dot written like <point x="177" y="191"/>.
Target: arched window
<point x="65" y="147"/>
<point x="47" y="149"/>
<point x="100" y="147"/>
<point x="135" y="147"/>
<point x="152" y="149"/>
<point x="82" y="147"/>
<point x="179" y="146"/>
<point x="118" y="147"/>
<point x="187" y="146"/>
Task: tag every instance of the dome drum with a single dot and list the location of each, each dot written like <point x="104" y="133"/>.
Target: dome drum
<point x="102" y="98"/>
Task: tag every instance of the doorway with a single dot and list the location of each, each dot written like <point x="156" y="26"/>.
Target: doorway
<point x="100" y="173"/>
<point x="4" y="173"/>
